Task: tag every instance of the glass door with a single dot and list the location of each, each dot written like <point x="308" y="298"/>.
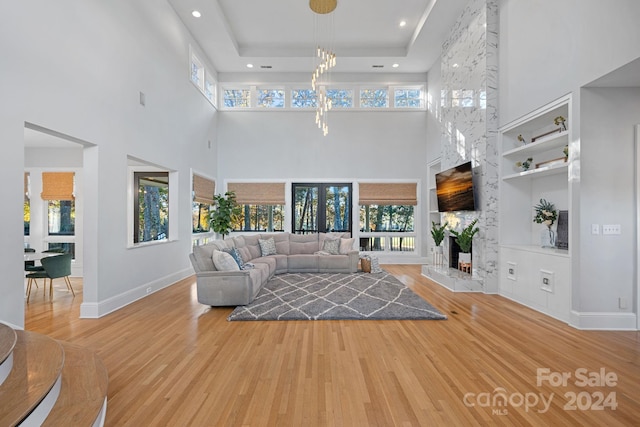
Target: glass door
<point x="321" y="207"/>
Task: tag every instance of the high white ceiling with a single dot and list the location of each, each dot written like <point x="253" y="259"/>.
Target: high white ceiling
<point x="283" y="33"/>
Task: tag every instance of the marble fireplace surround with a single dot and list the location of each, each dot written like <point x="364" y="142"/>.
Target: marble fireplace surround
<point x="469" y="130"/>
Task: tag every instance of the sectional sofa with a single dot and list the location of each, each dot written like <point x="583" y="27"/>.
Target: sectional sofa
<point x="256" y="258"/>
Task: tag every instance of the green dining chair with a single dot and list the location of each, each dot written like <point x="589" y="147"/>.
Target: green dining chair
<point x="54" y="267"/>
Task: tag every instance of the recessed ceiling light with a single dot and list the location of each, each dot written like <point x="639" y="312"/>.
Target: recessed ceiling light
<point x="395" y="65"/>
<point x="249" y="65"/>
<point x="403" y="23"/>
<point x="455" y="65"/>
<point x="196" y="14"/>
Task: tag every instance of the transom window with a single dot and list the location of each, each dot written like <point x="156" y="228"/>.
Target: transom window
<point x="343" y="97"/>
<point x="407" y="98"/>
<point x="237" y="98"/>
<point x="374" y="98"/>
<point x="303" y="98"/>
<point x="340" y="98"/>
<point x="271" y="98"/>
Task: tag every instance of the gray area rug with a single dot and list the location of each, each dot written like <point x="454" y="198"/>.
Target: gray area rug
<point x="335" y="296"/>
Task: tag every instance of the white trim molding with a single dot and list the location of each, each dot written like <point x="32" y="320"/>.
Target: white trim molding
<point x="603" y="321"/>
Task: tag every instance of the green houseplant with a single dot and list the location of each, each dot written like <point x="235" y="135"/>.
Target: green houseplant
<point x="464" y="238"/>
<point x="225" y="212"/>
<point x="437" y="232"/>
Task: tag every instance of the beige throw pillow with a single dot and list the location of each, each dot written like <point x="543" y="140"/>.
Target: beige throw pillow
<point x="332" y="246"/>
<point x="346" y="245"/>
<point x="224" y="262"/>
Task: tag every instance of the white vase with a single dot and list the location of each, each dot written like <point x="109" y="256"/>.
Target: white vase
<point x="547" y="238"/>
<point x="437" y="255"/>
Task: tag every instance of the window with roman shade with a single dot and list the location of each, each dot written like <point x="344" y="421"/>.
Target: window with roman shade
<point x="57" y="186"/>
<point x="58" y="191"/>
<point x="388" y="194"/>
<point x="387" y="213"/>
<point x="258" y="193"/>
<point x="262" y="205"/>
<point x="203" y="191"/>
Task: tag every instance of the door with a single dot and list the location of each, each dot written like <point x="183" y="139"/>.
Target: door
<point x="321" y="207"/>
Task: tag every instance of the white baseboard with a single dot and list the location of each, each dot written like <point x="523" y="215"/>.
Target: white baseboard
<point x="604" y="321"/>
<point x="102" y="308"/>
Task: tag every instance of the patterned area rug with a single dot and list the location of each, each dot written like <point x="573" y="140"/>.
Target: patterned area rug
<point x="335" y="296"/>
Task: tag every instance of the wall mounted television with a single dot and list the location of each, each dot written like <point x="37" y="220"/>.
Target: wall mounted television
<point x="454" y="188"/>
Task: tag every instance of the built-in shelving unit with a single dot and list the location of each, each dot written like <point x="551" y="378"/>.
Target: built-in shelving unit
<point x="537" y="277"/>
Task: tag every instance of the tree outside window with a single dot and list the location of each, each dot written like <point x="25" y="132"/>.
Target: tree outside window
<point x="151" y="206"/>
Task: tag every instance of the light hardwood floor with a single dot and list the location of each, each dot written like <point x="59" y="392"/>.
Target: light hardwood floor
<point x="175" y="362"/>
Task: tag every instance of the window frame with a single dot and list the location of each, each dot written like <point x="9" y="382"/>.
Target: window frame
<point x="138" y="165"/>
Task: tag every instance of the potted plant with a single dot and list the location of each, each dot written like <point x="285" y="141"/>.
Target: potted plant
<point x="546" y="214"/>
<point x="464" y="239"/>
<point x="437" y="233"/>
<point x="226" y="210"/>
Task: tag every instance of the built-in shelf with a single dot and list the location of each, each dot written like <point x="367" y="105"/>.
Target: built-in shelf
<point x="540" y="172"/>
<point x="547" y="143"/>
<point x="523" y="264"/>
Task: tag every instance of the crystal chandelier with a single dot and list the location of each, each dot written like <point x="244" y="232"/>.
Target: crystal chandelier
<point x="325" y="60"/>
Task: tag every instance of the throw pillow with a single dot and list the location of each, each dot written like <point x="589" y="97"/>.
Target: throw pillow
<point x="267" y="246"/>
<point x="236" y="256"/>
<point x="375" y="265"/>
<point x="224" y="262"/>
<point x="332" y="246"/>
<point x="346" y="245"/>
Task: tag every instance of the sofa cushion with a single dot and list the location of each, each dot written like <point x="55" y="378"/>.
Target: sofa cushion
<point x="281" y="239"/>
<point x="346" y="245"/>
<point x="303" y="244"/>
<point x="224" y="262"/>
<point x="303" y="263"/>
<point x="333" y="263"/>
<point x="250" y="246"/>
<point x="269" y="261"/>
<point x="267" y="246"/>
<point x="331" y="246"/>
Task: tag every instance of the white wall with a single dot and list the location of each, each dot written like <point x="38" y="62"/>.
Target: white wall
<point x="289" y="146"/>
<point x="608" y="197"/>
<point x="550" y="48"/>
<point x="77" y="68"/>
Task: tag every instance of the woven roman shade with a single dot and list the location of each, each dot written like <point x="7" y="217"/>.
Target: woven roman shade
<point x="258" y="193"/>
<point x="203" y="189"/>
<point x="57" y="186"/>
<point x="388" y="193"/>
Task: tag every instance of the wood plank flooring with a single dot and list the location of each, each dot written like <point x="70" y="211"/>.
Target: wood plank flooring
<point x="175" y="362"/>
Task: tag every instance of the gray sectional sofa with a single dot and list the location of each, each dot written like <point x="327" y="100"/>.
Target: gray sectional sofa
<point x="294" y="253"/>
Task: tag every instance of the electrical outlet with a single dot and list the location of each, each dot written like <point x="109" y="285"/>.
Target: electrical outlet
<point x="546" y="280"/>
<point x="622" y="303"/>
<point x="611" y="229"/>
<point x="512" y="271"/>
<point x="595" y="228"/>
<point x="149" y="290"/>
